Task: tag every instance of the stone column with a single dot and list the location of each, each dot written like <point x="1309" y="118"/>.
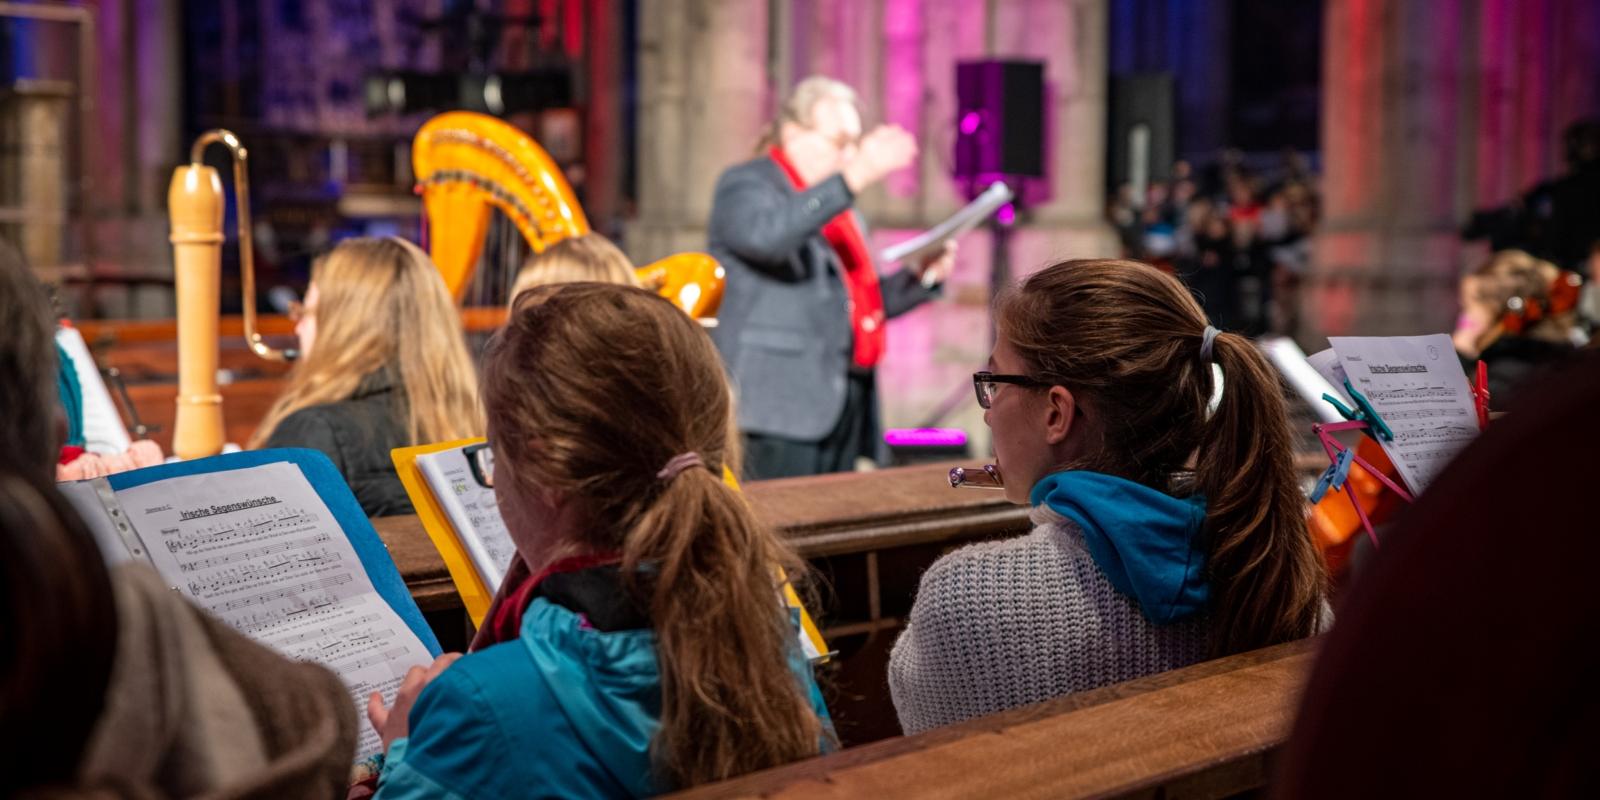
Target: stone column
<point x="1432" y="111"/>
<point x="134" y="143"/>
<point x="703" y="99"/>
<point x="34" y="115"/>
<point x="1385" y="258"/>
<point x="1071" y="38"/>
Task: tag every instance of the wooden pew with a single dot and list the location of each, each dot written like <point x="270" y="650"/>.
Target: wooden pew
<point x="868" y="536"/>
<point x="1207" y="731"/>
<point x="821" y="516"/>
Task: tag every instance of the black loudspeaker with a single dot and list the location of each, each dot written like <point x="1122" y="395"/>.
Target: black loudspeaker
<point x="999" y="119"/>
<point x="1143" y="139"/>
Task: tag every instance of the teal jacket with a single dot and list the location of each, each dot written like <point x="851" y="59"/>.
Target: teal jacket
<point x="565" y="710"/>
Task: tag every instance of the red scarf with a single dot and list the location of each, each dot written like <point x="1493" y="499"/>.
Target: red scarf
<point x="860" y="277"/>
<point x="504" y="620"/>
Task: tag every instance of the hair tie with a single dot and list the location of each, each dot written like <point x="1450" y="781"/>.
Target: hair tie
<point x="679" y="463"/>
<point x="1206" y="341"/>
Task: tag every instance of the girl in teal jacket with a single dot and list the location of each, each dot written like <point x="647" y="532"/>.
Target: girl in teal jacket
<point x="651" y="649"/>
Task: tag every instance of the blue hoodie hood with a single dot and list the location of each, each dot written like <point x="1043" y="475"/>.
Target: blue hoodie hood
<point x="1146" y="542"/>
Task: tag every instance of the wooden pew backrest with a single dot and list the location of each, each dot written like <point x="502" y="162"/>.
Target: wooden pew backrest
<point x="1201" y="732"/>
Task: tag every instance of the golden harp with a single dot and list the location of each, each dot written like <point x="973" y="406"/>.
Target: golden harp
<point x="468" y="164"/>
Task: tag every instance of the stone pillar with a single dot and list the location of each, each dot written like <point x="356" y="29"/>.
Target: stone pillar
<point x="1071" y="38"/>
<point x="703" y="99"/>
<point x="1385" y="258"/>
<point x="34" y="116"/>
<point x="134" y="143"/>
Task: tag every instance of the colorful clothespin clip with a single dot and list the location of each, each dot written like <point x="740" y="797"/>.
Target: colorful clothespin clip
<point x="1334" y="476"/>
<point x="1363" y="412"/>
<point x="1480" y="395"/>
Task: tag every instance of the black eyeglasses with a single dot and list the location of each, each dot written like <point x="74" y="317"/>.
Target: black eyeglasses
<point x="987" y="385"/>
<point x="481" y="459"/>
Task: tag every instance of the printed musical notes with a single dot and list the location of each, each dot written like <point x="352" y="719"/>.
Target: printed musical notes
<point x="300" y="594"/>
<point x="259" y="548"/>
<point x="473" y="512"/>
<point x="206" y="537"/>
<point x="254" y="552"/>
<point x="1417" y="385"/>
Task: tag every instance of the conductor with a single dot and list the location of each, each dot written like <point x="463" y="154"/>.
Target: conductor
<point x="801" y="326"/>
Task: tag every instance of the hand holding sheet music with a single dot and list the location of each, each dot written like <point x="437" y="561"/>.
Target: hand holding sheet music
<point x="260" y="548"/>
<point x="930" y="243"/>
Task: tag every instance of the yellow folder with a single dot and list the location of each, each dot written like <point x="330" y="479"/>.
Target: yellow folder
<point x="476" y="595"/>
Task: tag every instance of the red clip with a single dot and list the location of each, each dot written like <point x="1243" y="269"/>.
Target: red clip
<point x="1480" y="395"/>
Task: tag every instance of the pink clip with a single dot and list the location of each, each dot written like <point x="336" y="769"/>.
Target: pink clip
<point x="1334" y="448"/>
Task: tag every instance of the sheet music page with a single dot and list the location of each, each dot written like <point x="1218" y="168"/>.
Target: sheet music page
<point x="931" y="241"/>
<point x="1326" y="363"/>
<point x="258" y="548"/>
<point x="473" y="512"/>
<point x="1417" y="385"/>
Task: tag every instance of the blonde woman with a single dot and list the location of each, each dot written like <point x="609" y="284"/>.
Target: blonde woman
<point x="1518" y="315"/>
<point x="590" y="257"/>
<point x="383" y="364"/>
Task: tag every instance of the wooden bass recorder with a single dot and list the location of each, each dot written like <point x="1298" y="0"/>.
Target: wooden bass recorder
<point x="195" y="206"/>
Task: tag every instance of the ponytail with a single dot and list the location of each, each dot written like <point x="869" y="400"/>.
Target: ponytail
<point x="729" y="702"/>
<point x="614" y="397"/>
<point x="1130" y="341"/>
<point x="1266" y="575"/>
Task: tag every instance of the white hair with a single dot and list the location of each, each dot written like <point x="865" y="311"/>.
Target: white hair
<point x="800" y="106"/>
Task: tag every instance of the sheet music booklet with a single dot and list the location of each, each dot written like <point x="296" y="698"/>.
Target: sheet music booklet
<point x="273" y="543"/>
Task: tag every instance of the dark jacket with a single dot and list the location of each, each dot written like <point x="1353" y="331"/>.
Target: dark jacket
<point x="357" y="434"/>
<point x="1464" y="661"/>
<point x="784" y="326"/>
<point x="567" y="709"/>
<point x="1512" y="361"/>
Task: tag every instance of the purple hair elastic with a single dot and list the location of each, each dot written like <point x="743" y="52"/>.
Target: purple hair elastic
<point x="679" y="463"/>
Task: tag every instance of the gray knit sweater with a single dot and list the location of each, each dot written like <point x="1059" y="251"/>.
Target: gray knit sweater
<point x="1003" y="624"/>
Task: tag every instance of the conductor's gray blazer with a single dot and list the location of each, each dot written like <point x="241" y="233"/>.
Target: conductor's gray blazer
<point x="784" y="326"/>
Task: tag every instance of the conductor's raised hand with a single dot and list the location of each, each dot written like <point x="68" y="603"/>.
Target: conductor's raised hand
<point x="391" y="722"/>
<point x="883" y="150"/>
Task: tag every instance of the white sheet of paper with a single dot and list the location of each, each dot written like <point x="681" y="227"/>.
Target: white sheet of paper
<point x="1326" y="363"/>
<point x="1417" y="385"/>
<point x="1308" y="380"/>
<point x="103" y="431"/>
<point x="473" y="512"/>
<point x="258" y="548"/>
<point x="928" y="243"/>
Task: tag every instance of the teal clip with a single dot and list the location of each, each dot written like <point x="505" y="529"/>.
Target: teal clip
<point x="1334" y="476"/>
<point x="1363" y="412"/>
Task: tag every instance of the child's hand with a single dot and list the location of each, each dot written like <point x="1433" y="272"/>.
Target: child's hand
<point x="391" y="723"/>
